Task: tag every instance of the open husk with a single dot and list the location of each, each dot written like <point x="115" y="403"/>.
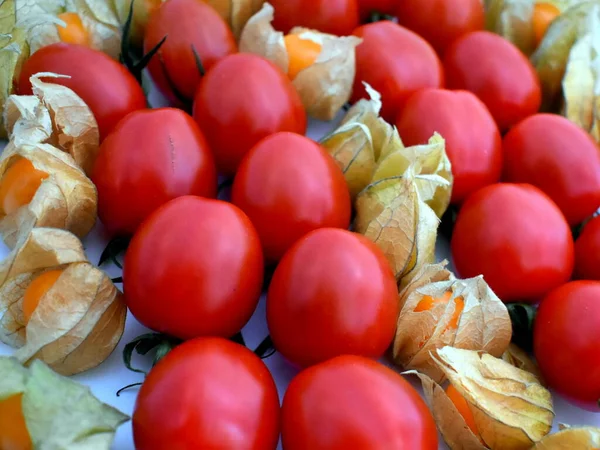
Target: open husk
<point x="470" y="316"/>
<point x="59" y="413"/>
<point x="66" y="199"/>
<point x="584" y="438"/>
<point x="519" y="358"/>
<point x="511" y="410"/>
<point x="368" y="149"/>
<point x="78" y="321"/>
<point x="236" y="12"/>
<point x="326" y="85"/>
<point x="54" y="115"/>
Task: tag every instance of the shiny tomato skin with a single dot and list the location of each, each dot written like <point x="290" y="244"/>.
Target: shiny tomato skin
<point x="175" y="64"/>
<point x="153" y="156"/>
<point x="517" y="238"/>
<point x="453" y="19"/>
<point x="566" y="342"/>
<point x="338" y="17"/>
<point x="354" y="402"/>
<point x="473" y="142"/>
<point x="207" y="393"/>
<point x="333" y="293"/>
<point x="396" y="63"/>
<point x="587" y="251"/>
<point x="554" y="154"/>
<point x="368" y="7"/>
<point x="289" y="185"/>
<point x="503" y="78"/>
<point x="105" y="86"/>
<point x="194" y="268"/>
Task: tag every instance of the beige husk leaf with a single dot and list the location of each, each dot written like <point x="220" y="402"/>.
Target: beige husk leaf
<point x="325" y="86"/>
<point x="581" y="83"/>
<point x="66" y="199"/>
<point x="551" y="57"/>
<point x="511" y="410"/>
<point x="54" y="115"/>
<point x="236" y="12"/>
<point x="391" y="213"/>
<point x="576" y="438"/>
<point x="520" y="359"/>
<point x="368" y="149"/>
<point x="511" y="19"/>
<point x="59" y="413"/>
<point x="481" y="319"/>
<point x="77" y="323"/>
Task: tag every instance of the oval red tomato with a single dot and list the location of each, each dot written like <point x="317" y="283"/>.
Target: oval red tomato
<point x="567" y="342"/>
<point x="517" y="238"/>
<point x="333" y="293"/>
<point x="502" y="77"/>
<point x="353" y="402"/>
<point x="441" y="22"/>
<point x="396" y="62"/>
<point x="189" y="25"/>
<point x="207" y="393"/>
<point x="105" y="86"/>
<point x="587" y="251"/>
<point x="554" y="154"/>
<point x="194" y="268"/>
<point x="242" y="100"/>
<point x="368" y="7"/>
<point x="329" y="16"/>
<point x="289" y="185"/>
<point x="153" y="156"/>
<point x="473" y="141"/>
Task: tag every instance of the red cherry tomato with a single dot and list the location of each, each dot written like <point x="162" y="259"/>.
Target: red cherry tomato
<point x="587" y="252"/>
<point x="354" y="402"/>
<point x="329" y="16"/>
<point x="153" y="156"/>
<point x="189" y="25"/>
<point x="567" y="342"/>
<point x="105" y="86"/>
<point x="441" y="22"/>
<point x="333" y="293"/>
<point x="560" y="158"/>
<point x="473" y="141"/>
<point x="194" y="268"/>
<point x="368" y="7"/>
<point x="517" y="238"/>
<point x="207" y="393"/>
<point x="396" y="62"/>
<point x="503" y="78"/>
<point x="289" y="185"/>
<point x="242" y="100"/>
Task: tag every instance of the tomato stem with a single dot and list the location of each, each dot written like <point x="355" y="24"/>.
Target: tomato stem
<point x="161" y="343"/>
<point x="113" y="249"/>
<point x="199" y="64"/>
<point x="238" y="339"/>
<point x="117" y="280"/>
<point x="185" y="102"/>
<point x="522" y="317"/>
<point x="129" y="386"/>
<point x="265" y="349"/>
<point x="377" y="16"/>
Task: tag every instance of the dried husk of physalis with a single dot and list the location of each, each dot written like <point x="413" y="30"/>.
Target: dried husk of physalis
<point x="236" y="12"/>
<point x="510" y="409"/>
<point x="59" y="413"/>
<point x="575" y="438"/>
<point x="326" y="85"/>
<point x="391" y="213"/>
<point x="551" y="57"/>
<point x="65" y="199"/>
<point x="512" y="19"/>
<point x="54" y="115"/>
<point x="519" y="358"/>
<point x="437" y="310"/>
<point x="80" y="318"/>
<point x="581" y="83"/>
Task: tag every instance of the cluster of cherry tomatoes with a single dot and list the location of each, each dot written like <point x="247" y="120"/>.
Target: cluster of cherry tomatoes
<point x="196" y="265"/>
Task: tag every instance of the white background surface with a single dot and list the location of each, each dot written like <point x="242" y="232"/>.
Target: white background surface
<point x="110" y="376"/>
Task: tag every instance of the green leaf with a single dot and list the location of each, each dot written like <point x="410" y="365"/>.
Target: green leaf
<point x="14" y="377"/>
<point x="143" y="344"/>
<point x="63" y="415"/>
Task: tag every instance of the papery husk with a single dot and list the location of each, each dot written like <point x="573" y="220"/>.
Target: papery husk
<point x="326" y="85"/>
<point x="580" y="438"/>
<point x="77" y="323"/>
<point x="59" y="413"/>
<point x="236" y="12"/>
<point x="54" y="115"/>
<point x="512" y="19"/>
<point x="519" y="358"/>
<point x="67" y="199"/>
<point x="551" y="57"/>
<point x="484" y="323"/>
<point x="511" y="409"/>
<point x="391" y="213"/>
